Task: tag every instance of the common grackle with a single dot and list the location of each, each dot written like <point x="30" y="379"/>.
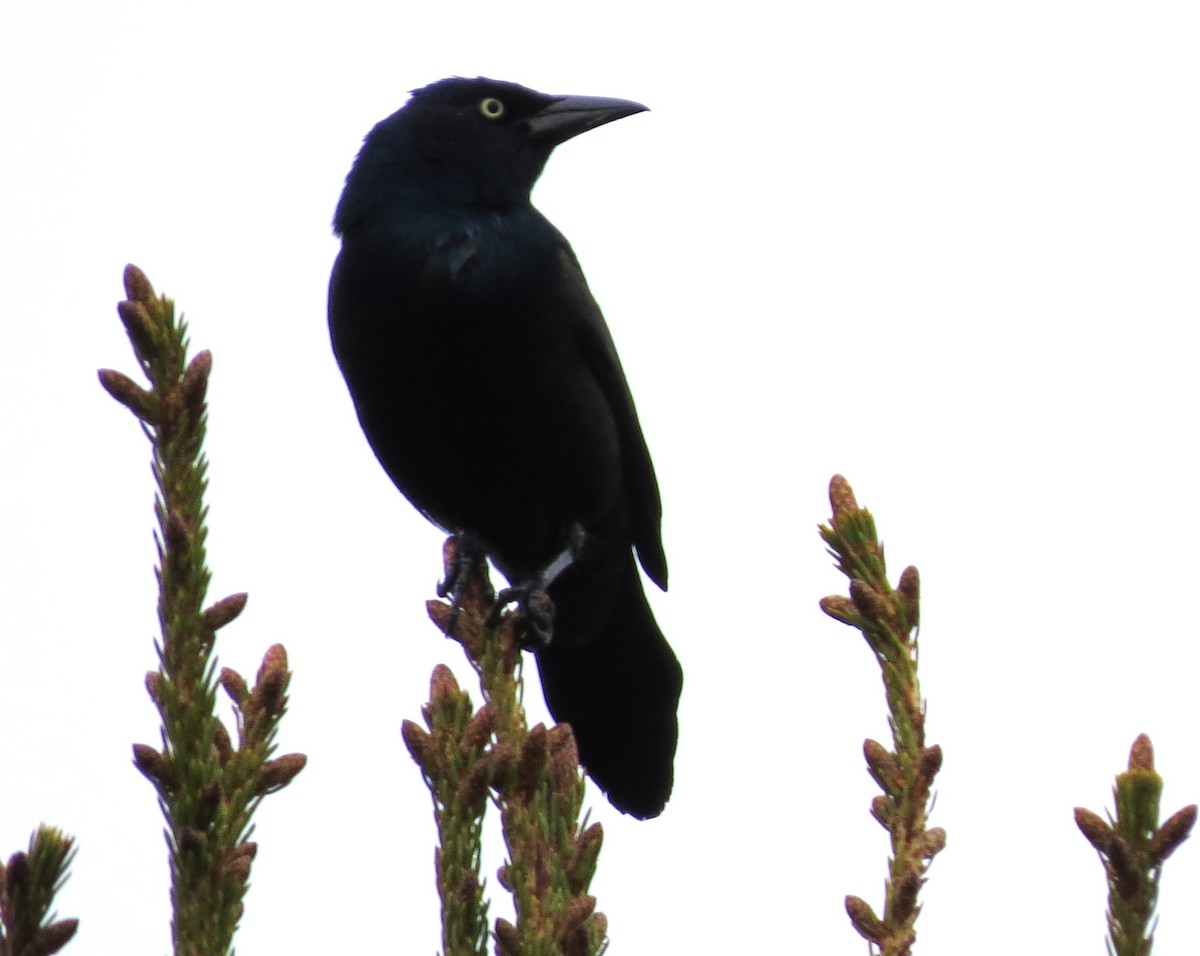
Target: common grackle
<point x="489" y="388"/>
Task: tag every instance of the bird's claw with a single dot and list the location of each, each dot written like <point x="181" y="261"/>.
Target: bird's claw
<point x="536" y="624"/>
<point x="464" y="557"/>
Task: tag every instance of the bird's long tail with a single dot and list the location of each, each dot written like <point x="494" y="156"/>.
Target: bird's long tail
<point x="619" y="692"/>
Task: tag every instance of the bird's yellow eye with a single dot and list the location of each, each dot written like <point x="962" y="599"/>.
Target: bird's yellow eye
<point x="491" y="108"/>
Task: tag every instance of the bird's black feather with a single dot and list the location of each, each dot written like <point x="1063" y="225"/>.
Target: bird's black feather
<point x="489" y="387"/>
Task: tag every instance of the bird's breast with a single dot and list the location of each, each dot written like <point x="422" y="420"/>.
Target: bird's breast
<point x="470" y="385"/>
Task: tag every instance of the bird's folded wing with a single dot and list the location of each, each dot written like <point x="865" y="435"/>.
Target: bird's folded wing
<point x="600" y="356"/>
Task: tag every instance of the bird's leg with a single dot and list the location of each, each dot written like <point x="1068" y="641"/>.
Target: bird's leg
<point x="533" y="603"/>
<point x="469" y="556"/>
<point x="565" y="558"/>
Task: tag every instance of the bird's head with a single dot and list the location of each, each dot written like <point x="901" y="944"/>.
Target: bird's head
<point x="467" y="143"/>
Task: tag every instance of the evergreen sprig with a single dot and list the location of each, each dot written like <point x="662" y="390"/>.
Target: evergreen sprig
<point x="28" y="884"/>
<point x="208" y="788"/>
<point x="888" y="618"/>
<point x="1133" y="848"/>
<point x="531" y="774"/>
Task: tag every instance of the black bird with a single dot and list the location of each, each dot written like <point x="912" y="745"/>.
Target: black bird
<point x="489" y="388"/>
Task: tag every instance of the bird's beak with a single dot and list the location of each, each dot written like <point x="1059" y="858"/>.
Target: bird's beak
<point x="571" y="115"/>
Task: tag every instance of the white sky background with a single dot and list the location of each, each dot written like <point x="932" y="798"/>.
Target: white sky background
<point x="947" y="250"/>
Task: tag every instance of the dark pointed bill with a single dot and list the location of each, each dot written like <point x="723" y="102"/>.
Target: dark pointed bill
<point x="571" y="115"/>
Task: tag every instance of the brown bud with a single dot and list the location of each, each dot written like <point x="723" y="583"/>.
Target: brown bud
<point x="502" y="879"/>
<point x="420" y="744"/>
<point x="508" y="940"/>
<point x="874" y="751"/>
<point x="50" y="939"/>
<point x="1141" y="754"/>
<point x="175" y="531"/>
<point x="442" y="614"/>
<point x="564" y="756"/>
<point x="584" y="855"/>
<point x="841" y="497"/>
<point x="473" y="789"/>
<point x="873" y="605"/>
<point x="533" y="759"/>
<point x="864" y="920"/>
<point x="238" y="869"/>
<point x="208" y="804"/>
<point x="271" y="681"/>
<point x="137" y="286"/>
<point x="1098" y="833"/>
<point x="156" y="768"/>
<point x="281" y="771"/>
<point x="189" y="840"/>
<point x="881" y="810"/>
<point x="909" y="588"/>
<point x="503" y="763"/>
<point x="573" y="917"/>
<point x="1124" y="870"/>
<point x="882" y="766"/>
<point x="247" y="848"/>
<point x="442" y="686"/>
<point x="479" y="729"/>
<point x="194" y="383"/>
<point x="225" y="610"/>
<point x="930" y="763"/>
<point x="1170" y="836"/>
<point x="842" y="609"/>
<point x="234" y="684"/>
<point x="561" y="741"/>
<point x="904" y="900"/>
<point x="222" y="744"/>
<point x="140" y="401"/>
<point x="933" y="842"/>
<point x="139" y="327"/>
<point x="468" y="887"/>
<point x="154" y="686"/>
<point x="16" y="875"/>
<point x="274" y="664"/>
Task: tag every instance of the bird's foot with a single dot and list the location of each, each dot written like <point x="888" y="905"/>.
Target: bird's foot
<point x="534" y="604"/>
<point x="467" y="556"/>
<point x="465" y="561"/>
<point x="536" y="624"/>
